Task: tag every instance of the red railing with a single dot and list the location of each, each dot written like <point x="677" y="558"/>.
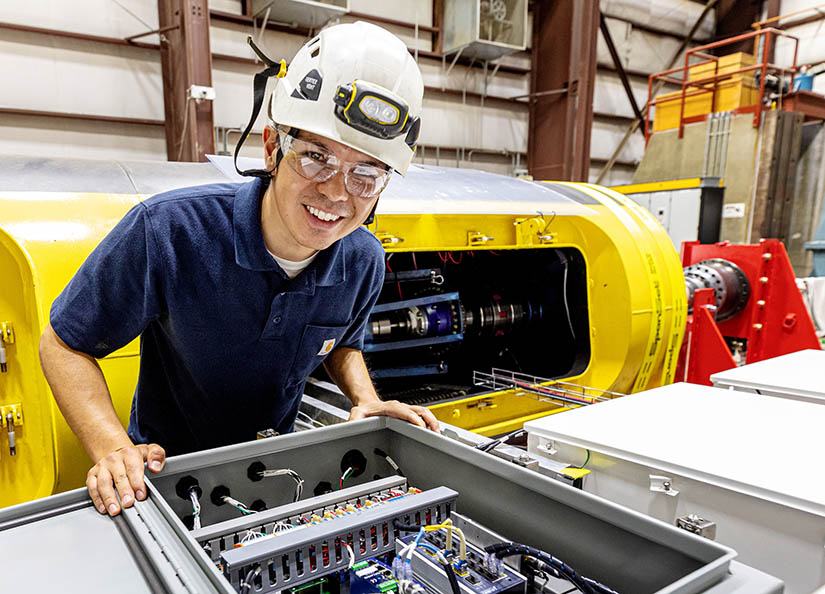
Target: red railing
<point x="709" y="84"/>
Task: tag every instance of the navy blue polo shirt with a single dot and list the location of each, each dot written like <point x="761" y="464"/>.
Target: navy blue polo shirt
<point x="227" y="339"/>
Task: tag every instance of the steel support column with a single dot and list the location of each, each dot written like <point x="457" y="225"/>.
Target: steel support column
<point x="562" y="81"/>
<point x="734" y="17"/>
<point x="185" y="61"/>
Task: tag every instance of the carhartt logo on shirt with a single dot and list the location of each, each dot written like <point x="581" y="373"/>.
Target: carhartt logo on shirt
<point x="328" y="344"/>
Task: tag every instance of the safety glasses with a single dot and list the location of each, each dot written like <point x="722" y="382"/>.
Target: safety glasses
<point x="317" y="163"/>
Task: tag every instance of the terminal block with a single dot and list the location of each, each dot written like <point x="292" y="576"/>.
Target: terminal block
<point x="223" y="536"/>
<point x="301" y="554"/>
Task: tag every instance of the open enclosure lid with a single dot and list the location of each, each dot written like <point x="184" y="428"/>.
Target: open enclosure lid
<point x="61" y="543"/>
<point x="743" y="442"/>
<point x="799" y="375"/>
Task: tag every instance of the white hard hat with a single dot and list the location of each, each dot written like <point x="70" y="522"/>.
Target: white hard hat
<point x="357" y="84"/>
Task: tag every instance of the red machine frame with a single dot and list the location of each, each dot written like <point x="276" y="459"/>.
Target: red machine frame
<point x="774" y="322"/>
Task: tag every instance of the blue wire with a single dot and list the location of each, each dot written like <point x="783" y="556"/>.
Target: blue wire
<point x="429" y="547"/>
<point x="416" y="543"/>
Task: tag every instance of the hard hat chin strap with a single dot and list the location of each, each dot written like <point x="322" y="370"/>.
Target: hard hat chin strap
<point x="371" y="218"/>
<point x="277" y="69"/>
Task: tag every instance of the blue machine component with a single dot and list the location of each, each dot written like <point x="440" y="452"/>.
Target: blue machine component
<point x="473" y="575"/>
<point x="371" y="576"/>
<point x="411" y="370"/>
<point x="424" y="321"/>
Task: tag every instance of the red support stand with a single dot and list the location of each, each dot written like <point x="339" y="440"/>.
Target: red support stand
<point x="774" y="322"/>
<point x="707" y="352"/>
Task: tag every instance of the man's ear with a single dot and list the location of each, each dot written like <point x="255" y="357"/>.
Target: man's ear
<point x="271" y="143"/>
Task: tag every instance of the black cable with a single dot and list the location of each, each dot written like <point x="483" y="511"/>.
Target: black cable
<point x="539" y="566"/>
<point x="246" y="584"/>
<point x="586" y="585"/>
<point x="390" y="461"/>
<point x="448" y="569"/>
<point x="493" y="443"/>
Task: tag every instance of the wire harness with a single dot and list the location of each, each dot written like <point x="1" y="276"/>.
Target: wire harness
<point x="402" y="566"/>
<point x="498" y="551"/>
<point x="196" y="509"/>
<point x="299" y="482"/>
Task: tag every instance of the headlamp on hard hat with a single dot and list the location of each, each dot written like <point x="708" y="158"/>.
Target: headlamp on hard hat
<point x="376" y="111"/>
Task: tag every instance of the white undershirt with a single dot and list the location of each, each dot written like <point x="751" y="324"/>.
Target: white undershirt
<point x="291" y="267"/>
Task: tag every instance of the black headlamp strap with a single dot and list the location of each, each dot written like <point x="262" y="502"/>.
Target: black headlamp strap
<point x="277" y="69"/>
<point x="371" y="218"/>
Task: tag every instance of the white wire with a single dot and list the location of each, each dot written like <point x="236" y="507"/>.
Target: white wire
<point x="407" y="551"/>
<point x="185" y="125"/>
<point x="351" y="554"/>
<point x="144" y="23"/>
<point x="238" y="504"/>
<point x="310" y="420"/>
<point x="196" y="507"/>
<point x="299" y="482"/>
<point x="410" y="587"/>
<point x="251" y="535"/>
<point x="566" y="306"/>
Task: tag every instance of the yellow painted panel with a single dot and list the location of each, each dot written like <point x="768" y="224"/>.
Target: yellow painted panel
<point x="726" y="64"/>
<point x="731" y="93"/>
<point x="660" y="186"/>
<point x="635" y="308"/>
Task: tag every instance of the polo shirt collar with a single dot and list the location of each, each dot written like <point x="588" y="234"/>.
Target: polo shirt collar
<point x="326" y="270"/>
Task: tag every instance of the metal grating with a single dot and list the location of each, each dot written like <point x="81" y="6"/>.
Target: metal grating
<point x="542" y="389"/>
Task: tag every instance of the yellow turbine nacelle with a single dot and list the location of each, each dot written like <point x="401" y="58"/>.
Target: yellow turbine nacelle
<point x="626" y="281"/>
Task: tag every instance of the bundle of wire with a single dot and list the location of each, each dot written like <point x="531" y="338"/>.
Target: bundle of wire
<point x="252" y="535"/>
<point x="299" y="482"/>
<point x="561" y="569"/>
<point x="402" y="564"/>
<point x="494" y="443"/>
<point x="350" y="552"/>
<point x="347" y="473"/>
<point x="247" y="583"/>
<point x="196" y="509"/>
<point x="239" y="505"/>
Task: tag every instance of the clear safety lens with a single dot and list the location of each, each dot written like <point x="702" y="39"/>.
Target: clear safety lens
<point x="379" y="110"/>
<point x="314" y="162"/>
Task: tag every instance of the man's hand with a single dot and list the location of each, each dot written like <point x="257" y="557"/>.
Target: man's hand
<point x="123" y="469"/>
<point x="347" y="369"/>
<point x="417" y="415"/>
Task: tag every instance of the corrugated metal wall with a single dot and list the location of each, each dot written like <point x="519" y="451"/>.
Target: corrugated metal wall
<point x="71" y="76"/>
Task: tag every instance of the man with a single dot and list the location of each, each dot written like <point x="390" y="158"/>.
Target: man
<point x="239" y="292"/>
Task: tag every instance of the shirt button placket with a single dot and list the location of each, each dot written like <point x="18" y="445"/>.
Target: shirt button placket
<point x="276" y="315"/>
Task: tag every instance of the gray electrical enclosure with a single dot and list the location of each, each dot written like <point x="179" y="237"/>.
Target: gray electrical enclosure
<point x="61" y="542"/>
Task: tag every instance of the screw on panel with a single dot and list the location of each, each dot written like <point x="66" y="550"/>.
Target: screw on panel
<point x="757" y="327"/>
<point x="763" y="280"/>
<point x="10" y="427"/>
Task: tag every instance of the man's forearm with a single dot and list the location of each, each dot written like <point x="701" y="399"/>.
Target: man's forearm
<point x="347" y="369"/>
<point x="81" y="393"/>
